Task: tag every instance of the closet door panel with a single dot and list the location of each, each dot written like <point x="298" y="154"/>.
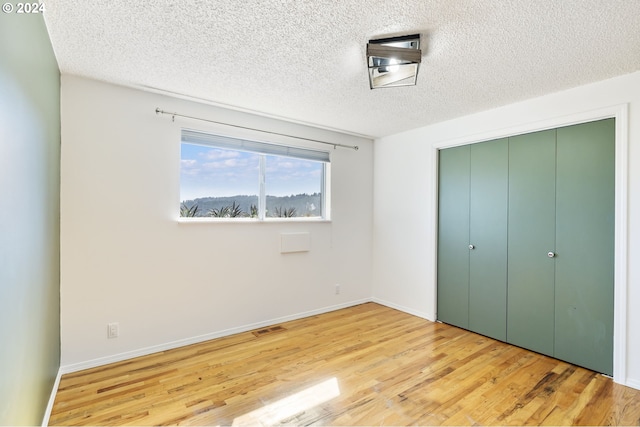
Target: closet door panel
<point x="453" y="236"/>
<point x="488" y="235"/>
<point x="530" y="298"/>
<point x="585" y="245"/>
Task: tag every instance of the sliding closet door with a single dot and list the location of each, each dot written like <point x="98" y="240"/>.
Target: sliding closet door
<point x="488" y="238"/>
<point x="453" y="236"/>
<point x="531" y="241"/>
<point x="585" y="245"/>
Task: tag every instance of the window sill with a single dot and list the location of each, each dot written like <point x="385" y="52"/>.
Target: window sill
<point x="206" y="220"/>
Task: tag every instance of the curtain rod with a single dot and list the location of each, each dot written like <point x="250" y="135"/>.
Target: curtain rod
<point x="335" y="145"/>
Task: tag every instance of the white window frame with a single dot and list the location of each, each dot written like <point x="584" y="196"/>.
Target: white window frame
<point x="263" y="149"/>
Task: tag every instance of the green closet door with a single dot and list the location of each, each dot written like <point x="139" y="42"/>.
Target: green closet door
<point x="453" y="236"/>
<point x="488" y="236"/>
<point x="585" y="245"/>
<point x="532" y="213"/>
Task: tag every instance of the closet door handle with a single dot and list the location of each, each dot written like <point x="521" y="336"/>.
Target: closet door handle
<point x="551" y="255"/>
<point x="472" y="247"/>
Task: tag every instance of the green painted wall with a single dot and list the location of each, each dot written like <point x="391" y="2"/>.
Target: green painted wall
<point x="29" y="219"/>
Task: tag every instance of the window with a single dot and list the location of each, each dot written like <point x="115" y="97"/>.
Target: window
<point x="223" y="177"/>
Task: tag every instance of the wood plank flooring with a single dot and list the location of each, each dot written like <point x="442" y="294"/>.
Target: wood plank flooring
<point x="364" y="365"/>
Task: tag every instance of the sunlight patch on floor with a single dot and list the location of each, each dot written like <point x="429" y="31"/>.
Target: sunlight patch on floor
<point x="291" y="405"/>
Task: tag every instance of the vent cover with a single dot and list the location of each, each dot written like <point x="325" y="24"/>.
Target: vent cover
<point x="271" y="330"/>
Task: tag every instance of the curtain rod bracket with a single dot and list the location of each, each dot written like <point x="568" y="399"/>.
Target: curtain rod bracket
<point x="335" y="145"/>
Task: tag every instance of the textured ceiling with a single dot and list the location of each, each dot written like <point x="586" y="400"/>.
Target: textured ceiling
<point x="304" y="60"/>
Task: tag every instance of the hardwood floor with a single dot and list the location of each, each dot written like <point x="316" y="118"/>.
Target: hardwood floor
<point x="365" y="365"/>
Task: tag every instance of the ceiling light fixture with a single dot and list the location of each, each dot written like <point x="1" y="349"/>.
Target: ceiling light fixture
<point x="394" y="61"/>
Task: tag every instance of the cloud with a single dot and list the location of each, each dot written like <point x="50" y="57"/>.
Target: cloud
<point x="230" y="164"/>
<point x="287" y="169"/>
<point x="189" y="167"/>
<point x="219" y="154"/>
<point x="188" y="163"/>
<point x="287" y="165"/>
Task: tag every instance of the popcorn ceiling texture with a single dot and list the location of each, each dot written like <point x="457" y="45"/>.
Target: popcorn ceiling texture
<point x="304" y="60"/>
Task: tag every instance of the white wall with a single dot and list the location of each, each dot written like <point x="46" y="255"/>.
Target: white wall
<point x="126" y="259"/>
<point x="405" y="199"/>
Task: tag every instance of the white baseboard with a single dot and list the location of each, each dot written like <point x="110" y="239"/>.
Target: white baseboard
<point x="633" y="384"/>
<point x="75" y="367"/>
<point x="402" y="308"/>
<point x="52" y="398"/>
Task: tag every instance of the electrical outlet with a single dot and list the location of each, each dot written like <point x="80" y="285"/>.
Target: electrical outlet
<point x="337" y="289"/>
<point x="113" y="330"/>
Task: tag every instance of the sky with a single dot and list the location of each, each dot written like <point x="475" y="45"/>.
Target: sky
<point x="213" y="172"/>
